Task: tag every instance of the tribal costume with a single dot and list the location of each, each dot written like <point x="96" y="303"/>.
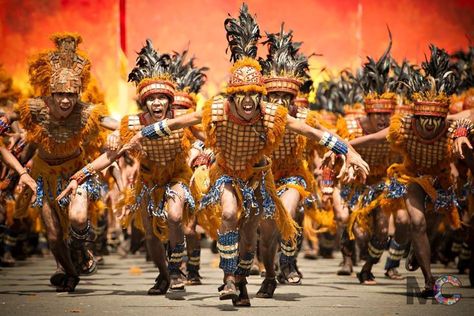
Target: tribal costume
<point x="62" y="144"/>
<point x="285" y="71"/>
<point x="365" y="198"/>
<point x="162" y="161"/>
<point x="65" y="131"/>
<point x="424" y="176"/>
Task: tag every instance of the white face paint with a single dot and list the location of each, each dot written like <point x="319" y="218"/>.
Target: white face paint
<point x="246" y="104"/>
<point x="157" y="105"/>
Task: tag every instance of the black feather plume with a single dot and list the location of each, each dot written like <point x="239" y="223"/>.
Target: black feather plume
<point x="149" y="64"/>
<point x="376" y="73"/>
<point x="186" y="75"/>
<point x="283" y="58"/>
<point x="439" y="69"/>
<point x="242" y="35"/>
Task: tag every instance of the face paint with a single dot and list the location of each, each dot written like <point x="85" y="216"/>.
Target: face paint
<point x="281" y="98"/>
<point x="63" y="104"/>
<point x="246" y="104"/>
<point x="157" y="105"/>
<point x="429" y="126"/>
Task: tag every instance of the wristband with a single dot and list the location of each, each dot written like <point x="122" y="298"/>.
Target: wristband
<point x="4" y="124"/>
<point x="157" y="130"/>
<point x="334" y="144"/>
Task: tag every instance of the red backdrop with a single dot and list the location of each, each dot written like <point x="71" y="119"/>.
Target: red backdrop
<point x="343" y="31"/>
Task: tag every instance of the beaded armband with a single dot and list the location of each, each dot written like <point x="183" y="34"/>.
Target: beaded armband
<point x="461" y="128"/>
<point x="157" y="130"/>
<point x="4" y="124"/>
<point x="334" y="144"/>
<point x="199" y="145"/>
<point x="327" y="181"/>
<point x="82" y="175"/>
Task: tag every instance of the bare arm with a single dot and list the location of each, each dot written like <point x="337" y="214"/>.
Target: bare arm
<point x="353" y="162"/>
<point x="99" y="164"/>
<point x="109" y="123"/>
<point x="300" y="127"/>
<point x="10" y="160"/>
<point x="183" y="121"/>
<point x="198" y="133"/>
<point x="469" y="114"/>
<point x="372" y="139"/>
<point x="104" y="160"/>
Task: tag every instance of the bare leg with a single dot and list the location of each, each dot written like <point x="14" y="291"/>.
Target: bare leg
<point x="81" y="233"/>
<point x="290" y="199"/>
<point x="269" y="236"/>
<point x="158" y="254"/>
<point x="193" y="249"/>
<point x="176" y="237"/>
<point x="227" y="242"/>
<point x="397" y="245"/>
<point x="376" y="246"/>
<point x="415" y="207"/>
<point x="59" y="248"/>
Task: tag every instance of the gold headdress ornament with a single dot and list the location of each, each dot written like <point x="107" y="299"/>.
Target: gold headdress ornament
<point x="285" y="69"/>
<point x="152" y="73"/>
<point x="431" y="93"/>
<point x="242" y="37"/>
<point x="189" y="79"/>
<point x="64" y="69"/>
<point x="377" y="84"/>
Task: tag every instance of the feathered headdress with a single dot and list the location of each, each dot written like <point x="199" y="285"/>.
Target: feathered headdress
<point x="464" y="65"/>
<point x="189" y="79"/>
<point x="152" y="73"/>
<point x="242" y="37"/>
<point x="431" y="92"/>
<point x="285" y="69"/>
<point x="64" y="69"/>
<point x="377" y="83"/>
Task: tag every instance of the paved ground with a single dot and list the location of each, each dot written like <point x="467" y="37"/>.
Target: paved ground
<point x="119" y="288"/>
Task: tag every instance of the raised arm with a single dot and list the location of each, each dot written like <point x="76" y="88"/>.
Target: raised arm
<point x="163" y="128"/>
<point x="467" y="114"/>
<point x="109" y="123"/>
<point x="372" y="139"/>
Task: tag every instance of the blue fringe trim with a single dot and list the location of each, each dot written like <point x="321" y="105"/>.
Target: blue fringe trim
<point x="92" y="186"/>
<point x="248" y="195"/>
<point x="159" y="210"/>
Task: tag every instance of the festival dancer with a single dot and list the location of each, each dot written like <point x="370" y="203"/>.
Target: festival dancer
<point x="367" y="216"/>
<point x="62" y="128"/>
<point x="242" y="130"/>
<point x="428" y="143"/>
<point x="284" y="71"/>
<point x="161" y="198"/>
<point x="189" y="81"/>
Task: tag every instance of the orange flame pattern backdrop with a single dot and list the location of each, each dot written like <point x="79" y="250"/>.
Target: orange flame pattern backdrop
<point x="343" y="31"/>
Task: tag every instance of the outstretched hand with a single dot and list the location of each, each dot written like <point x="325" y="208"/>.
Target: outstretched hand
<point x="353" y="166"/>
<point x="26" y="179"/>
<point x="458" y="146"/>
<point x="113" y="141"/>
<point x="70" y="189"/>
<point x="133" y="144"/>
